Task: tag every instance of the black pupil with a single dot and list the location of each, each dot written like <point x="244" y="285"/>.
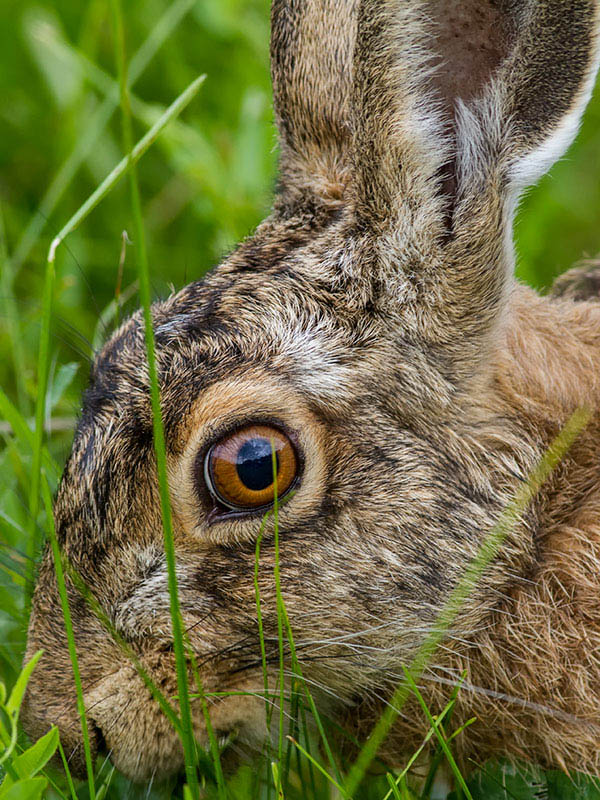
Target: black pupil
<point x="254" y="464"/>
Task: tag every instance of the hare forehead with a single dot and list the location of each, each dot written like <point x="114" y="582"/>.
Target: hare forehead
<point x="203" y="336"/>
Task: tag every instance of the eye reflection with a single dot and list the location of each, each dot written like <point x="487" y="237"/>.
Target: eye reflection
<point x="238" y="470"/>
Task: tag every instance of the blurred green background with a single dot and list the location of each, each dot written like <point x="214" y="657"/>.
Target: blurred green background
<point x="205" y="184"/>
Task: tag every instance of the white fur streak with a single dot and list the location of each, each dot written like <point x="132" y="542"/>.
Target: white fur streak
<point x="530" y="168"/>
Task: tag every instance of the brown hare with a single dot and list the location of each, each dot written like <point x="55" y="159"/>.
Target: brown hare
<point x="373" y="329"/>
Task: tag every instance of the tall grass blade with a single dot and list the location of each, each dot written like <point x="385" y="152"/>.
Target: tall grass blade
<point x="64" y="602"/>
<point x="188" y="741"/>
<point x="11" y="414"/>
<point x="40" y="411"/>
<point x="394" y="791"/>
<point x="134" y="156"/>
<point x="437" y="723"/>
<point x="12" y="318"/>
<point x="439" y="733"/>
<point x="321" y="769"/>
<point x="261" y="635"/>
<point x="282" y="617"/>
<point x="279" y="609"/>
<point x="214" y="745"/>
<point x="489" y="548"/>
<point x="67" y="770"/>
<point x="103" y="618"/>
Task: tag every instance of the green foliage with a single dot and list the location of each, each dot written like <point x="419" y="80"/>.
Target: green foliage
<point x="204" y="184"/>
<point x="505" y="781"/>
<point x="21" y="780"/>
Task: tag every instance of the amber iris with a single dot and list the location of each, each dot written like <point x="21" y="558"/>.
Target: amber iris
<point x="239" y="469"/>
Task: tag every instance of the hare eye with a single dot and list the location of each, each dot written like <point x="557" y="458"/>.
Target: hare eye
<point x="238" y="470"/>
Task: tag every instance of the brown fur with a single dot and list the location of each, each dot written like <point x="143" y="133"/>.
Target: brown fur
<point x="376" y="318"/>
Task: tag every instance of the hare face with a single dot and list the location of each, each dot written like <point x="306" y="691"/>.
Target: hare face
<point x="368" y="326"/>
<point x="381" y="521"/>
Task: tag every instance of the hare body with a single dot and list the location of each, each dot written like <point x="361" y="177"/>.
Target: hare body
<point x="375" y="321"/>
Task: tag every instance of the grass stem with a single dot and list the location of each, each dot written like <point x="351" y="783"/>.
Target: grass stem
<point x="176" y="107"/>
<point x="487" y="551"/>
<point x="64" y="601"/>
<point x="187" y="732"/>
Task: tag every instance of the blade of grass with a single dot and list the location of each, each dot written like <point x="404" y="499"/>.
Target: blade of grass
<point x="103" y="618"/>
<point x="179" y="136"/>
<point x="311" y="771"/>
<point x="40" y="416"/>
<point x="188" y="741"/>
<point x="394" y="791"/>
<point x="261" y="635"/>
<point x="24" y="434"/>
<point x="439" y="733"/>
<point x="67" y="770"/>
<point x="283" y="616"/>
<point x="122" y="167"/>
<point x="277" y="780"/>
<point x="214" y="745"/>
<point x="458" y="731"/>
<point x="318" y="766"/>
<point x="111" y="314"/>
<point x="292" y="727"/>
<point x="439" y="754"/>
<point x="160" y="32"/>
<point x="44" y="347"/>
<point x="279" y="613"/>
<point x="445" y="712"/>
<point x="487" y="551"/>
<point x="103" y="790"/>
<point x="64" y="602"/>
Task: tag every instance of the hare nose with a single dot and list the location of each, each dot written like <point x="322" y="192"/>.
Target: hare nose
<point x="97" y="740"/>
<point x="76" y="758"/>
<point x="74" y="747"/>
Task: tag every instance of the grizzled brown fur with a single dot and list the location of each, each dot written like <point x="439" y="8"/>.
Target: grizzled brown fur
<point x="375" y="316"/>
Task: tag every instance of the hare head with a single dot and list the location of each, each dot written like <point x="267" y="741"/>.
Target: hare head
<point x="372" y="333"/>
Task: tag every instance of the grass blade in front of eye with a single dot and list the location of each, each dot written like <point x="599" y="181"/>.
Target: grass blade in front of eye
<point x="475" y="569"/>
<point x="64" y="602"/>
<point x="279" y="615"/>
<point x="44" y="342"/>
<point x="187" y="731"/>
<point x="283" y="622"/>
<point x="261" y="634"/>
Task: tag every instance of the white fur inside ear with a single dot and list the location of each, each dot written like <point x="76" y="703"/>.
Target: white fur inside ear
<point x="530" y="168"/>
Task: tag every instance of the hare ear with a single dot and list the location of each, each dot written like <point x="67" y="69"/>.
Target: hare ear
<point x="449" y="91"/>
<point x="457" y="105"/>
<point x="312" y="43"/>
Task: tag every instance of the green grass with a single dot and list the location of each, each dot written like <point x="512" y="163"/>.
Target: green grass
<point x="81" y="84"/>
